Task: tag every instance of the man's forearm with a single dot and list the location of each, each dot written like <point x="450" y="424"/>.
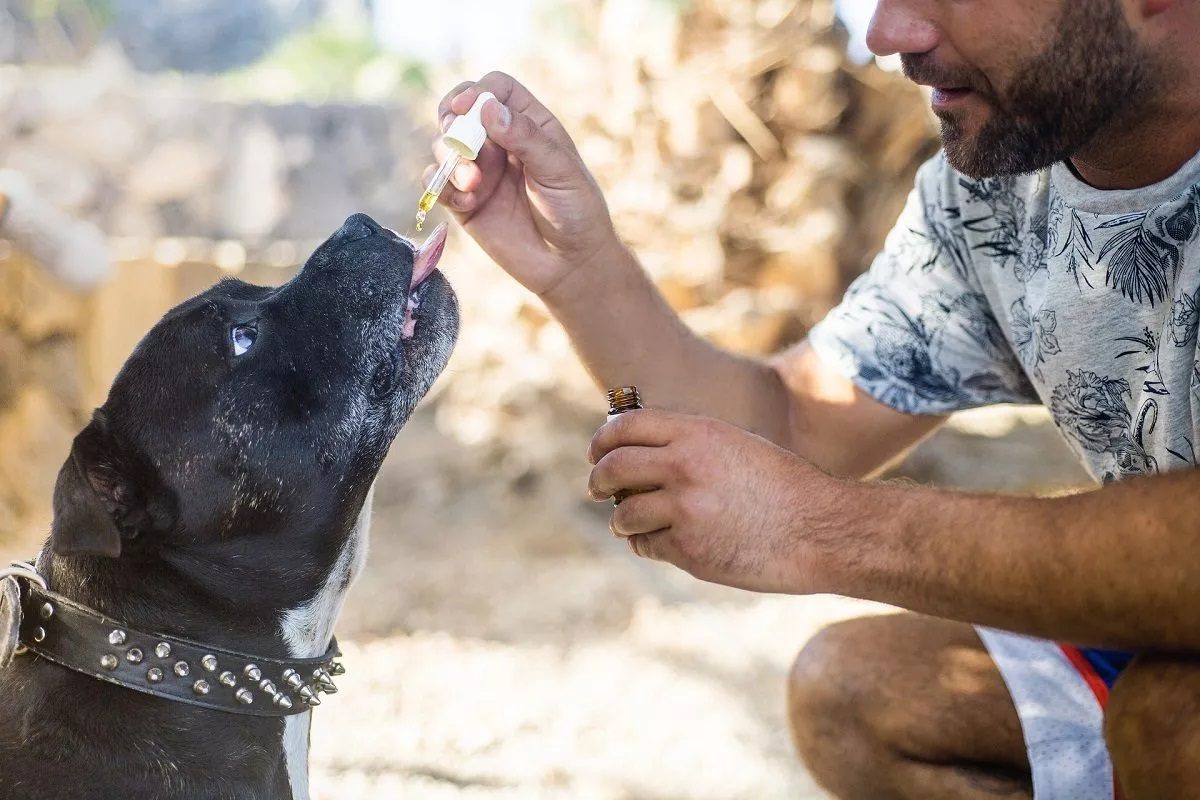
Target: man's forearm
<point x="1118" y="567"/>
<point x="625" y="333"/>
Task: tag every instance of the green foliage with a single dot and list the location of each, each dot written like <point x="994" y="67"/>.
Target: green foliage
<point x="328" y="62"/>
<point x="100" y="12"/>
<point x="323" y="56"/>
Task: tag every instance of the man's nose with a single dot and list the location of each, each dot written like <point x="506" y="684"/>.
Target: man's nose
<point x="902" y="26"/>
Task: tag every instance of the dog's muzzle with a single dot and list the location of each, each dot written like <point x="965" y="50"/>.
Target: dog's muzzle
<point x="34" y="619"/>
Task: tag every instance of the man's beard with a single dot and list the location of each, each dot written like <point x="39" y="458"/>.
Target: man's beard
<point x="1093" y="73"/>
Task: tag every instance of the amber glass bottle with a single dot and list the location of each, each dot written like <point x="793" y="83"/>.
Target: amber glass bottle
<point x="620" y="400"/>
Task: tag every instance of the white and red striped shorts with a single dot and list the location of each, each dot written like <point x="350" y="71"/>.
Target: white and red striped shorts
<point x="1060" y="699"/>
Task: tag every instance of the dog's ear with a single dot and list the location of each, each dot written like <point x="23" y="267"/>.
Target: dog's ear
<point x="102" y="499"/>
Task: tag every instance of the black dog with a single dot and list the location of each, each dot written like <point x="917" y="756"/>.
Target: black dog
<point x="221" y="495"/>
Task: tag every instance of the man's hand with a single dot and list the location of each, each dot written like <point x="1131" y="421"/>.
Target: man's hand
<point x="529" y="200"/>
<point x="720" y="503"/>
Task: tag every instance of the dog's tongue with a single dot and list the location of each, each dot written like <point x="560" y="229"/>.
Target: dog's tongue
<point x="423" y="266"/>
<point x="428" y="255"/>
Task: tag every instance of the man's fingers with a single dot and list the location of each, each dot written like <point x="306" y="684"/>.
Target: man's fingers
<point x="519" y="123"/>
<point x="444" y="109"/>
<point x="508" y="90"/>
<point x="645" y="427"/>
<point x="626" y="468"/>
<point x="646" y="512"/>
<point x="657" y="546"/>
<point x="546" y="160"/>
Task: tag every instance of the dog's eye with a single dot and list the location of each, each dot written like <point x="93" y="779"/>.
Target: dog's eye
<point x="243" y="337"/>
<point x="384" y="378"/>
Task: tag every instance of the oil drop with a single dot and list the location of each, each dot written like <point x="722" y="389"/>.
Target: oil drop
<point x="428" y="200"/>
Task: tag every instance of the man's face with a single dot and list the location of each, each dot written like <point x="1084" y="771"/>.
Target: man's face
<point x="1018" y="84"/>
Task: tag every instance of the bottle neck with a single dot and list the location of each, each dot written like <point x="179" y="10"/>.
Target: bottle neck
<point x="622" y="399"/>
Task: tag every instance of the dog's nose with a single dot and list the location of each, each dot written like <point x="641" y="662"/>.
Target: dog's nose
<point x="359" y="226"/>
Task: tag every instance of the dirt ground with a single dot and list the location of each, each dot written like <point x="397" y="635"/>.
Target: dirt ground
<point x="501" y="644"/>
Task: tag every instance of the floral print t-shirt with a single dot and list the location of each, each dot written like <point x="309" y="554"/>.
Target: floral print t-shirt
<point x="1038" y="289"/>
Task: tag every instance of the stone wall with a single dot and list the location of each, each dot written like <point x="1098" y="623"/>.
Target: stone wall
<point x="147" y="157"/>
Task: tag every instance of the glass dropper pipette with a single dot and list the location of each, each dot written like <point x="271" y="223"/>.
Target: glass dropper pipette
<point x="464" y="138"/>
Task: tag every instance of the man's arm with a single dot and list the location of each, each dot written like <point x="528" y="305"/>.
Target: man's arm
<point x="1117" y="567"/>
<point x="625" y="333"/>
<point x="1114" y="567"/>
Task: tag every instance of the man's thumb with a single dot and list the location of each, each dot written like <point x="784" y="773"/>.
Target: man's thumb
<point x="544" y="158"/>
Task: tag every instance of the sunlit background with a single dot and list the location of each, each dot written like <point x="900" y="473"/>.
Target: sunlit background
<point x="501" y="644"/>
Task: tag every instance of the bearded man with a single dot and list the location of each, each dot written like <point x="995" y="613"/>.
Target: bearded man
<point x="1048" y="255"/>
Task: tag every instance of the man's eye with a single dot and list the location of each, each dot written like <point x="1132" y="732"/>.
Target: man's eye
<point x="243" y="337"/>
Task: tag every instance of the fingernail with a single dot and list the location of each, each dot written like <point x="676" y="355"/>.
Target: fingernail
<point x="445" y="123"/>
<point x="505" y="118"/>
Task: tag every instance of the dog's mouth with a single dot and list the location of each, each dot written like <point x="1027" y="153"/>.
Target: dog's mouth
<point x="424" y="265"/>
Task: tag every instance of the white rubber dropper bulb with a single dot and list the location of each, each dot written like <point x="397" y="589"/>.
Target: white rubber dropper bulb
<point x="464" y="138"/>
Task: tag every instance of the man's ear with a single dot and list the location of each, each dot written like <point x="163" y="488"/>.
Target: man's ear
<point x="104" y="497"/>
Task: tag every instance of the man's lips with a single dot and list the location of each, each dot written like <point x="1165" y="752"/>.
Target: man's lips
<point x="945" y="97"/>
<point x="950" y="84"/>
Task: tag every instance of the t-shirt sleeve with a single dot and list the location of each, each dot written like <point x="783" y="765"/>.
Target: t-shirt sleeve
<point x="916" y="331"/>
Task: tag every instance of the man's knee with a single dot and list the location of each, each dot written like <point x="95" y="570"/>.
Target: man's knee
<point x="827" y="687"/>
<point x="1152" y="725"/>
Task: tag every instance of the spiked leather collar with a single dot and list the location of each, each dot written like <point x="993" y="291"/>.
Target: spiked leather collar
<point x="82" y="639"/>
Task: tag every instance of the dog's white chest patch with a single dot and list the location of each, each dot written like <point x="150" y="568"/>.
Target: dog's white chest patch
<point x="307" y="630"/>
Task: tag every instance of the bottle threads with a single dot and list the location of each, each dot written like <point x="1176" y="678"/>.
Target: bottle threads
<point x="622" y="399"/>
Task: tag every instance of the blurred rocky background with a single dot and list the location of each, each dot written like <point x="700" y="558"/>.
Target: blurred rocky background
<point x="501" y="643"/>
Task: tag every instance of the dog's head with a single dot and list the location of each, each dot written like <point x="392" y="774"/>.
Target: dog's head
<point x="246" y="428"/>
